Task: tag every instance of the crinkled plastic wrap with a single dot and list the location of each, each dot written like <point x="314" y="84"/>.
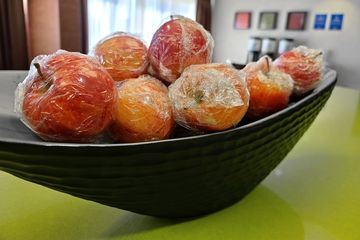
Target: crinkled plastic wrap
<point x="179" y="43"/>
<point x="122" y="55"/>
<point x="209" y="97"/>
<point x="305" y="65"/>
<point x="143" y="111"/>
<point x="70" y="98"/>
<point x="263" y="64"/>
<point x="269" y="88"/>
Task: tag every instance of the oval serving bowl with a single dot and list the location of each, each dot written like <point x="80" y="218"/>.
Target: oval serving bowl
<point x="180" y="177"/>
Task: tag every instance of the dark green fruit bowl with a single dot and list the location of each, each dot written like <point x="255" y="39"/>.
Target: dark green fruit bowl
<point x="179" y="177"/>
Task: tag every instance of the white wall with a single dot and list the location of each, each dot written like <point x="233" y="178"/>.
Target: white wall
<point x="342" y="48"/>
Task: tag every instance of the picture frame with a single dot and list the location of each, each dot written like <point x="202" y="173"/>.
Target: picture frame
<point x="242" y="20"/>
<point x="296" y="21"/>
<point x="268" y="20"/>
<point x="336" y="21"/>
<point x="320" y="20"/>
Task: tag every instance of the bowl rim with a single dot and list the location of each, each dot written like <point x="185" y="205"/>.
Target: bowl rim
<point x="329" y="79"/>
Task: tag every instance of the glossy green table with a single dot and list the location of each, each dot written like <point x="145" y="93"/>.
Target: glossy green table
<point x="313" y="194"/>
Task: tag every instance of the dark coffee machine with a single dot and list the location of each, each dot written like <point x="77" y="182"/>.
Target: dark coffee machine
<point x="268" y="47"/>
<point x="285" y="44"/>
<point x="254" y="48"/>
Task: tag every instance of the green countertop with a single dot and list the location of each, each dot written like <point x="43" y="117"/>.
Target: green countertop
<point x="313" y="194"/>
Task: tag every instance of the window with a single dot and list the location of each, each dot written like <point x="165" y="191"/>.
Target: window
<point x="138" y="17"/>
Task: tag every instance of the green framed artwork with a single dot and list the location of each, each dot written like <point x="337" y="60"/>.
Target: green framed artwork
<point x="268" y="20"/>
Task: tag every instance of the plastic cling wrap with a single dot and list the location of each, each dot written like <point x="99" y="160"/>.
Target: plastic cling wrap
<point x="123" y="55"/>
<point x="209" y="97"/>
<point x="143" y="111"/>
<point x="66" y="97"/>
<point x="269" y="88"/>
<point x="179" y="43"/>
<point x="305" y="66"/>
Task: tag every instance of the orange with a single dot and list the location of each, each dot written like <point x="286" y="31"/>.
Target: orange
<point x="209" y="97"/>
<point x="143" y="111"/>
<point x="122" y="55"/>
<point x="269" y="88"/>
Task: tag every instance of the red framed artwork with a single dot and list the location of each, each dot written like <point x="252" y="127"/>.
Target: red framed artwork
<point x="296" y="21"/>
<point x="242" y="20"/>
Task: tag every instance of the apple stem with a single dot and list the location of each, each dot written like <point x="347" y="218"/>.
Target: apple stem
<point x="267" y="64"/>
<point x="38" y="69"/>
<point x="198" y="95"/>
<point x="317" y="55"/>
<point x="48" y="82"/>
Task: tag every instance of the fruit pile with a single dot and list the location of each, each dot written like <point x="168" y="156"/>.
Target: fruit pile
<point x="133" y="93"/>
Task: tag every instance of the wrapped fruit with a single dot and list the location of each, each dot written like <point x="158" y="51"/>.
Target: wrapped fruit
<point x="209" y="97"/>
<point x="178" y="43"/>
<point x="269" y="88"/>
<point x="66" y="97"/>
<point x="304" y="65"/>
<point x="143" y="111"/>
<point x="122" y="55"/>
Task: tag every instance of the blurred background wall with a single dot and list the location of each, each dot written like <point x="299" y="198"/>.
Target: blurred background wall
<point x="55" y="24"/>
<point x="13" y="46"/>
<point x="341" y="47"/>
<point x="43" y="26"/>
<point x="32" y="27"/>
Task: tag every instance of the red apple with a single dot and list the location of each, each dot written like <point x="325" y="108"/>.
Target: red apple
<point x="122" y="55"/>
<point x="269" y="88"/>
<point x="305" y="66"/>
<point x="178" y="43"/>
<point x="143" y="111"/>
<point x="66" y="97"/>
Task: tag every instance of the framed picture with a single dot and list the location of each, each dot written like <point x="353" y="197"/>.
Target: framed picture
<point x="296" y="21"/>
<point x="242" y="20"/>
<point x="336" y="21"/>
<point x="320" y="21"/>
<point x="268" y="20"/>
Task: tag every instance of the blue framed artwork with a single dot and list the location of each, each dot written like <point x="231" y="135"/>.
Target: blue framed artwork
<point x="320" y="21"/>
<point x="336" y="21"/>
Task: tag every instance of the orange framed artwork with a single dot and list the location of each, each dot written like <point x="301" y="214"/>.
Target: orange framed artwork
<point x="242" y="20"/>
